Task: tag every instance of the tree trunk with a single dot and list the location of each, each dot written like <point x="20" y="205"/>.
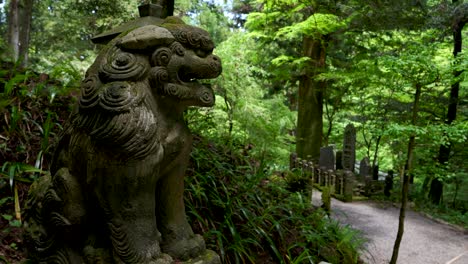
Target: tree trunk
<point x="19" y="28"/>
<point x="25" y="32"/>
<point x="13" y="28"/>
<point x="376" y="151"/>
<point x="310" y="110"/>
<point x="436" y="191"/>
<point x="330" y="114"/>
<point x="406" y="177"/>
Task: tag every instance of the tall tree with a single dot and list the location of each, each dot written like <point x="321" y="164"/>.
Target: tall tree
<point x="406" y="177"/>
<point x="310" y="108"/>
<point x="460" y="19"/>
<point x="311" y="24"/>
<point x="318" y="26"/>
<point x="414" y="65"/>
<point x="19" y="28"/>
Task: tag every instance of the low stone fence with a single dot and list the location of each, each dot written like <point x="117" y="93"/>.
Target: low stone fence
<point x="340" y="182"/>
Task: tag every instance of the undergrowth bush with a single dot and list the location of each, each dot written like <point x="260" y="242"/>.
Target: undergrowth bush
<point x="252" y="218"/>
<point x="32" y="109"/>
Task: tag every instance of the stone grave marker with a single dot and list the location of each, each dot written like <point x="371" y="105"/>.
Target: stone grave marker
<point x="339" y="160"/>
<point x="349" y="148"/>
<point x="365" y="170"/>
<point x="327" y="157"/>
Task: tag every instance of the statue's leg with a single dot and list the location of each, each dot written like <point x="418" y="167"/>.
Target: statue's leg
<point x="179" y="241"/>
<point x="55" y="217"/>
<point x="126" y="195"/>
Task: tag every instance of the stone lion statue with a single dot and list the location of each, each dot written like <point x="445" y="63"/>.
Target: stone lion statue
<point x="115" y="194"/>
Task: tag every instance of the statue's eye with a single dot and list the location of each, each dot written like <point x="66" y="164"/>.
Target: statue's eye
<point x="201" y="53"/>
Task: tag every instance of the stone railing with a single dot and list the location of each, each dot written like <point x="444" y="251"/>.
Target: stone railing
<point x="340" y="182"/>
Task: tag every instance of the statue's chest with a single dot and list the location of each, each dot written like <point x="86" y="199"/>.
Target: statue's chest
<point x="177" y="142"/>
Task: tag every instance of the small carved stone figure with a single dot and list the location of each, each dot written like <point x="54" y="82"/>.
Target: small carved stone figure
<point x="115" y="194"/>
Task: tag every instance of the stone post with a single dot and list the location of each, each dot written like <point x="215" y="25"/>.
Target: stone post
<point x="365" y="170"/>
<point x="317" y="174"/>
<point x="338" y="181"/>
<point x="348" y="186"/>
<point x="325" y="177"/>
<point x="332" y="176"/>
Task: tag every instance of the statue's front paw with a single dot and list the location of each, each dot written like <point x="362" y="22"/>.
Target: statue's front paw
<point x="131" y="246"/>
<point x="185" y="249"/>
<point x="163" y="259"/>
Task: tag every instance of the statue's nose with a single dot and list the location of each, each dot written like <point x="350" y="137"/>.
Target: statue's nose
<point x="216" y="64"/>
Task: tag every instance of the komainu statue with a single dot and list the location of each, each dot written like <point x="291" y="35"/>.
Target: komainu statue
<point x="115" y="194"/>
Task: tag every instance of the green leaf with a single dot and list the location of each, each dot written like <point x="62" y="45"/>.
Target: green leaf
<point x="4" y="200"/>
<point x="316" y="25"/>
<point x="7" y="217"/>
<point x="15" y="223"/>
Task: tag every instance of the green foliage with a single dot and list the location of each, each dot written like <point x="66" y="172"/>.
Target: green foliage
<point x="209" y="16"/>
<point x="454" y="208"/>
<point x="31" y="114"/>
<point x="252" y="218"/>
<point x="315" y="25"/>
<point x="377" y="52"/>
<point x="298" y="181"/>
<point x="62" y="30"/>
<point x="244" y="112"/>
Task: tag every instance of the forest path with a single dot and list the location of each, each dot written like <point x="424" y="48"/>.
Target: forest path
<point x="424" y="240"/>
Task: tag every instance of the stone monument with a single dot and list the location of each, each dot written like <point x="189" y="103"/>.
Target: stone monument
<point x="339" y="160"/>
<point x="115" y="193"/>
<point x="365" y="169"/>
<point x="349" y="148"/>
<point x="327" y="157"/>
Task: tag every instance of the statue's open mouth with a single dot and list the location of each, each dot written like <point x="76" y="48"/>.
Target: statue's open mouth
<point x="186" y="77"/>
<point x="190" y="79"/>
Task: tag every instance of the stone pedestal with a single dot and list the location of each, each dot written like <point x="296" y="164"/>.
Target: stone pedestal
<point x="210" y="257"/>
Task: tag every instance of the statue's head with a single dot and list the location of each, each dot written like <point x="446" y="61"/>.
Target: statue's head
<point x="172" y="58"/>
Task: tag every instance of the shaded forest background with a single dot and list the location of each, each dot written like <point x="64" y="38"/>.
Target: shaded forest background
<point x="295" y="73"/>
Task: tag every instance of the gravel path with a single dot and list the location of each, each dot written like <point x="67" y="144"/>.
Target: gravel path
<point x="424" y="240"/>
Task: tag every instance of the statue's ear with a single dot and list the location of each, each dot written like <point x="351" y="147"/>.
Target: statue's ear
<point x="146" y="37"/>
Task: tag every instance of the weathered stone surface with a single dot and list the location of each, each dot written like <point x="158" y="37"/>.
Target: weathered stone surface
<point x="365" y="170"/>
<point x="327" y="157"/>
<point x="143" y="38"/>
<point x="339" y="160"/>
<point x="339" y="188"/>
<point x="209" y="257"/>
<point x="349" y="148"/>
<point x="348" y="185"/>
<point x="115" y="194"/>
